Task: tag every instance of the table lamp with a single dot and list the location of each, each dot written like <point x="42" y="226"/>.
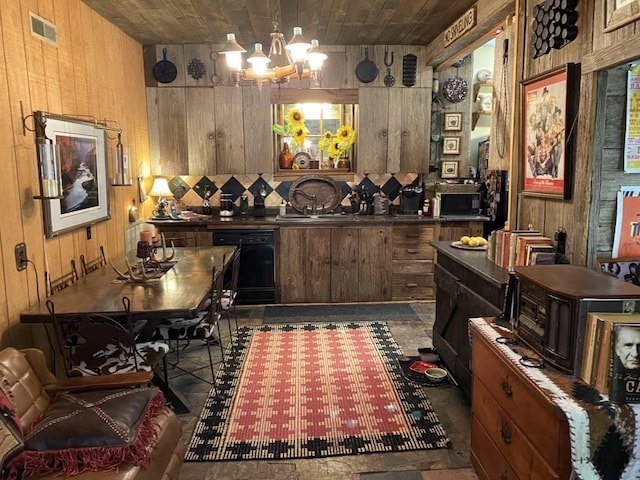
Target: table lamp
<point x="161" y="189"/>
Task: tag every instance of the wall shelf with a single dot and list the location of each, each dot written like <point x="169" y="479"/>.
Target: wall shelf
<point x="476" y="116"/>
<point x="478" y="87"/>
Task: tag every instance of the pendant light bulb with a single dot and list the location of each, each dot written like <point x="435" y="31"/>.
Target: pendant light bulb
<point x="315" y="57"/>
<point x="233" y="53"/>
<point x="259" y="61"/>
<point x="297" y="45"/>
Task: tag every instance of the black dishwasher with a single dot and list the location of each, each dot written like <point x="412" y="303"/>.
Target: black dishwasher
<point x="257" y="278"/>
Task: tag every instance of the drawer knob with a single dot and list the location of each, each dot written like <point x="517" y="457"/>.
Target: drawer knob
<point x="506" y="388"/>
<point x="412" y="250"/>
<point x="412" y="285"/>
<point x="505" y="433"/>
<point x="413" y="235"/>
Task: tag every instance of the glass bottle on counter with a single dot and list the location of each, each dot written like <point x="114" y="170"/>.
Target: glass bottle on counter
<point x="285" y="159"/>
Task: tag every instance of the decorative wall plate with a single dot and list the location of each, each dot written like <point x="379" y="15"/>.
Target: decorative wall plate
<point x="484" y="76"/>
<point x="325" y="189"/>
<point x="455" y="89"/>
<point x="303" y="159"/>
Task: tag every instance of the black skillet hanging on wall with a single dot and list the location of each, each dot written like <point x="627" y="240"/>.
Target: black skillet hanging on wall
<point x="165" y="71"/>
<point x="366" y="70"/>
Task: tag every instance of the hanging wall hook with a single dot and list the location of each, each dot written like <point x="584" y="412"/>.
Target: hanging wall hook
<point x="24" y="121"/>
<point x="386" y="53"/>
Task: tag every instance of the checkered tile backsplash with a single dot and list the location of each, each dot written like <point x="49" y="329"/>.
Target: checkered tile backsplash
<point x="191" y="190"/>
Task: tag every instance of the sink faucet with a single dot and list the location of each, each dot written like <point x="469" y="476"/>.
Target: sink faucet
<point x="313" y="198"/>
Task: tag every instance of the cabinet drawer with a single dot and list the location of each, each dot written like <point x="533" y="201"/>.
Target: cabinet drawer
<point x="546" y="427"/>
<point x="412" y="267"/>
<point x="413" y="243"/>
<point x="525" y="459"/>
<point x="412" y="287"/>
<point x="486" y="458"/>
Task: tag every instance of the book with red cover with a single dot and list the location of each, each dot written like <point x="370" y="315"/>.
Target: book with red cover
<point x="521" y="247"/>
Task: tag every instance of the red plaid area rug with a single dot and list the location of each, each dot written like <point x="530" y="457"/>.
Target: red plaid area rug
<point x="313" y="390"/>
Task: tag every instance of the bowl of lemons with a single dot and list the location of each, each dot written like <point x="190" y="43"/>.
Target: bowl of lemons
<point x="467" y="242"/>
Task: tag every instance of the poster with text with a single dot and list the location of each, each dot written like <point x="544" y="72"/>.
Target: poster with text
<point x="632" y="133"/>
<point x="626" y="242"/>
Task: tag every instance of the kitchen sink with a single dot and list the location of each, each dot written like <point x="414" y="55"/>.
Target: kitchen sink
<point x="321" y="217"/>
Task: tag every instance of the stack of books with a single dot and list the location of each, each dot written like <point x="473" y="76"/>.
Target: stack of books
<point x="611" y="355"/>
<point x="515" y="248"/>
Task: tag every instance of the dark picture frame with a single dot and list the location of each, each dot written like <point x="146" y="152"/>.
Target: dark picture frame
<point x="83" y="157"/>
<point x="550" y="108"/>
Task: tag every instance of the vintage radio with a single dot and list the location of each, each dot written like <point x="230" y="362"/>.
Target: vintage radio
<point x="551" y="306"/>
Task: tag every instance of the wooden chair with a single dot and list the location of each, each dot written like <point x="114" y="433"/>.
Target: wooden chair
<point x="54" y="286"/>
<point x="96" y="344"/>
<point x="95" y="264"/>
<point x="204" y="327"/>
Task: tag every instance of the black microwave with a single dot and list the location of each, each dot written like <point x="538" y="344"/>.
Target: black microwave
<point x="459" y="204"/>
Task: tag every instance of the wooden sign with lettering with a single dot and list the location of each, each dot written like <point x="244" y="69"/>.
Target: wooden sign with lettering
<point x="461" y="26"/>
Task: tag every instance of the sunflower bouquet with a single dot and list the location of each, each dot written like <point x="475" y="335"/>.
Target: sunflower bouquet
<point x="338" y="145"/>
<point x="294" y="127"/>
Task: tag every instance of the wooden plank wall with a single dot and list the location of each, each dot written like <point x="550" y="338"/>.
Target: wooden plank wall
<point x="596" y="51"/>
<point x="95" y="71"/>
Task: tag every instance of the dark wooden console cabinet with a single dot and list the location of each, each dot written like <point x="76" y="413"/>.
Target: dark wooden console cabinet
<point x="467" y="285"/>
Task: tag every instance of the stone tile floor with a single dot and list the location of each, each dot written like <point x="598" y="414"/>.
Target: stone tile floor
<point x="441" y="464"/>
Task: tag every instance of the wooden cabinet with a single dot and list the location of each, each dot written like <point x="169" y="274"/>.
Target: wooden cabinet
<point x="455" y="230"/>
<point x="517" y="432"/>
<point x="394" y="130"/>
<point x="412" y="265"/>
<point x="181" y="237"/>
<point x="208" y="131"/>
<point x="304" y="265"/>
<point x="328" y="264"/>
<point x="467" y="285"/>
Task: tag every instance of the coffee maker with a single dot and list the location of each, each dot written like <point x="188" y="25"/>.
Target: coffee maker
<point x="411" y="198"/>
<point x="226" y="205"/>
<point x="259" y="209"/>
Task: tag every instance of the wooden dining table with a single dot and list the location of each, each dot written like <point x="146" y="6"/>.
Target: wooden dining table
<point x="179" y="293"/>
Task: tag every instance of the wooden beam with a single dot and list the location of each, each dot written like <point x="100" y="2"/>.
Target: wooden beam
<point x="314" y="95"/>
<point x="490" y="14"/>
<point x="607" y="57"/>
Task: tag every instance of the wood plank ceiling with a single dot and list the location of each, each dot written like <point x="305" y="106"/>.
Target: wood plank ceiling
<point x="332" y="22"/>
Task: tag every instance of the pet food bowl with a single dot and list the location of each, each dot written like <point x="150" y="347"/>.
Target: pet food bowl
<point x="429" y="355"/>
<point x="436" y="375"/>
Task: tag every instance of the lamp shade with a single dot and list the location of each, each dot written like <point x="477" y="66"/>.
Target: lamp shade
<point x="160" y="188"/>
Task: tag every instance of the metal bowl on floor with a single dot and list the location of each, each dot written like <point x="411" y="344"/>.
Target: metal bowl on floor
<point x="436" y="374"/>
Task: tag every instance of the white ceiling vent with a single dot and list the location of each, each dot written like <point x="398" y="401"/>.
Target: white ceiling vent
<point x="42" y="29"/>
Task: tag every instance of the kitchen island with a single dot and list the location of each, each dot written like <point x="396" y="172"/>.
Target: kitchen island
<point x="468" y="285"/>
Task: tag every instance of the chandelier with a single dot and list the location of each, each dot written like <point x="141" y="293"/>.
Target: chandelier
<point x="297" y="58"/>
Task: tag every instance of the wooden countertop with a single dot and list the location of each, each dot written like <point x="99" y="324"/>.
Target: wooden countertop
<point x="274" y="221"/>
<point x="476" y="261"/>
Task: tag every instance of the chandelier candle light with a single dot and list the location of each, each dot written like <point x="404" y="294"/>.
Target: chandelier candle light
<point x="287" y="59"/>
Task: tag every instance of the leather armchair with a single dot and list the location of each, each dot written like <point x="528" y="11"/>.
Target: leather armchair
<point x="32" y="385"/>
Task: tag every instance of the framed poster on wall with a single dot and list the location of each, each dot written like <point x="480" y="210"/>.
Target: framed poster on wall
<point x="550" y="107"/>
<point x="83" y="159"/>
